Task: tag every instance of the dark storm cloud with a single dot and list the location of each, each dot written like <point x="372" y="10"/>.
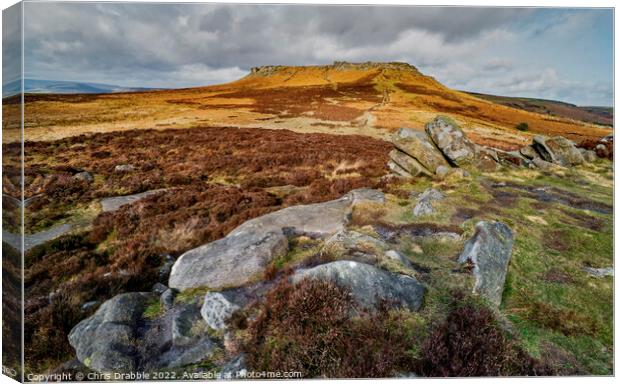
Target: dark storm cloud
<point x="161" y="37"/>
<point x="194" y="44"/>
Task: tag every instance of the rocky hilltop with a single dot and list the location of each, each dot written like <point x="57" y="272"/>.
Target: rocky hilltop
<point x="270" y="70"/>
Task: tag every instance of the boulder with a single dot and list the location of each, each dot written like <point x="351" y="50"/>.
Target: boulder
<point x="489" y="251"/>
<point x="217" y="309"/>
<point x="84" y="176"/>
<point x="558" y="150"/>
<point x="451" y="140"/>
<point x="417" y="145"/>
<point x="105" y="342"/>
<point x="369" y="286"/>
<point x="408" y="163"/>
<point x="246" y="251"/>
<point x="424" y="205"/>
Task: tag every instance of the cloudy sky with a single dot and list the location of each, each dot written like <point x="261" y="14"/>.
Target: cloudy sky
<point x="564" y="54"/>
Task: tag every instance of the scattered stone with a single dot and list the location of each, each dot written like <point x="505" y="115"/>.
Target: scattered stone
<point x="451" y="140"/>
<point x="599" y="272"/>
<point x="369" y="286"/>
<point x="398" y="257"/>
<point x="159" y="288"/>
<point x="442" y="171"/>
<point x="167" y="299"/>
<point x="217" y="309"/>
<point x="105" y="341"/>
<point x="601" y="150"/>
<point x="246" y="251"/>
<point x="489" y="251"/>
<point x="89" y="305"/>
<point x="124" y="168"/>
<point x="418" y="145"/>
<point x="425" y="200"/>
<point x="408" y="163"/>
<point x="84" y="176"/>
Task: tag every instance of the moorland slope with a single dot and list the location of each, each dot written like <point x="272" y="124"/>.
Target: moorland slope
<point x="372" y="99"/>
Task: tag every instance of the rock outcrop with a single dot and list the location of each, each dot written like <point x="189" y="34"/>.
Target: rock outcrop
<point x="445" y="147"/>
<point x="451" y="140"/>
<point x="416" y="145"/>
<point x="369" y="286"/>
<point x="246" y="251"/>
<point x="489" y="251"/>
<point x="216" y="309"/>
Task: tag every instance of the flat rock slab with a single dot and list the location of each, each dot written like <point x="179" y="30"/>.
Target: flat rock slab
<point x="489" y="250"/>
<point x="369" y="286"/>
<point x="110" y="204"/>
<point x="246" y="251"/>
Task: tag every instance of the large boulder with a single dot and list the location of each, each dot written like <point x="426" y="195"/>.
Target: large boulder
<point x="408" y="163"/>
<point x="489" y="251"/>
<point x="246" y="251"/>
<point x="451" y="140"/>
<point x="558" y="150"/>
<point x="369" y="286"/>
<point x="417" y="145"/>
<point x="105" y="342"/>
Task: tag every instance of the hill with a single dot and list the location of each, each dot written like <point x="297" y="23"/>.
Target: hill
<point x="64" y="87"/>
<point x="371" y="99"/>
<point x="588" y="114"/>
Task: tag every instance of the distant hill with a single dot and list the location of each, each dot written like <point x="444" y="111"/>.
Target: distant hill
<point x="596" y="115"/>
<point x="64" y="87"/>
<point x="370" y="99"/>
